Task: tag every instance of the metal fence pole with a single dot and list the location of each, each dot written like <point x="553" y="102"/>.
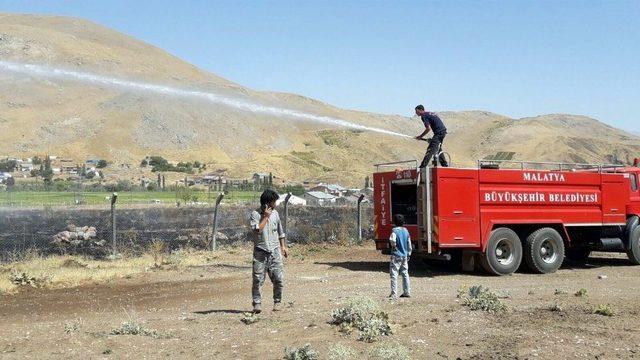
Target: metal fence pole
<point x="215" y="222"/>
<point x="359" y="221"/>
<point x="114" y="198"/>
<point x="286" y="212"/>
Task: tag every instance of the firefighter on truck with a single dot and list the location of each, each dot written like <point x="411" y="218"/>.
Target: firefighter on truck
<point x="432" y="122"/>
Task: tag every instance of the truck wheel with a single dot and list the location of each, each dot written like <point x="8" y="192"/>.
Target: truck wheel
<point x="544" y="251"/>
<point x="632" y="223"/>
<point x="633" y="248"/>
<point x="503" y="254"/>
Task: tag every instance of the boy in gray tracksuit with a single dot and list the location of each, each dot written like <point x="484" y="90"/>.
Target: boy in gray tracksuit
<point x="269" y="248"/>
<point x="400" y="243"/>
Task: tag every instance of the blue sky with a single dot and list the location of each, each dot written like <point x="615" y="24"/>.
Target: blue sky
<point x="518" y="58"/>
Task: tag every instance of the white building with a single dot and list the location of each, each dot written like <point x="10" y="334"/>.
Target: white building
<point x="293" y="200"/>
<point x="332" y="189"/>
<point x="318" y="198"/>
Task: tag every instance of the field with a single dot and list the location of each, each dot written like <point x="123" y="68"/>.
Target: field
<point x="66" y="198"/>
<point x="191" y="306"/>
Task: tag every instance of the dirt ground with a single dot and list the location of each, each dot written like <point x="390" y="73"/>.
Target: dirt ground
<point x="197" y="312"/>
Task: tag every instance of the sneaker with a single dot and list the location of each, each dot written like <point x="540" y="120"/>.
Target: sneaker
<point x="277" y="306"/>
<point x="405" y="296"/>
<point x="257" y="308"/>
<point x="392" y="296"/>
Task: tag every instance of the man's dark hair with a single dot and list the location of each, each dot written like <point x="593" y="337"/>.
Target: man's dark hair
<point x="398" y="220"/>
<point x="268" y="196"/>
<point x="420" y="107"/>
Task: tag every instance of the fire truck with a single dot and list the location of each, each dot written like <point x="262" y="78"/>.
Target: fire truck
<point x="504" y="215"/>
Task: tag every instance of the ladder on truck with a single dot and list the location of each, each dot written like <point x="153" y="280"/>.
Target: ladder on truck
<point x="425" y="209"/>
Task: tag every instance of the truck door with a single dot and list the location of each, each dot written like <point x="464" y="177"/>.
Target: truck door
<point x="615" y="196"/>
<point x="634" y="204"/>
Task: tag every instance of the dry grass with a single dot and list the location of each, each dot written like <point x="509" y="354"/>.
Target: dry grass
<point x="72" y="271"/>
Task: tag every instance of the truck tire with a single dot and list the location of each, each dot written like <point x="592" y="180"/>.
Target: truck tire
<point x="544" y="251"/>
<point x="503" y="254"/>
<point x="632" y="223"/>
<point x="633" y="248"/>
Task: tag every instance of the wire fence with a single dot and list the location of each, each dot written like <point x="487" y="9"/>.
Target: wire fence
<point x="82" y="197"/>
<point x="83" y="229"/>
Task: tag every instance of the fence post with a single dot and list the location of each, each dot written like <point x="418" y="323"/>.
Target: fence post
<point x="114" y="198"/>
<point x="286" y="212"/>
<point x="359" y="221"/>
<point x="215" y="222"/>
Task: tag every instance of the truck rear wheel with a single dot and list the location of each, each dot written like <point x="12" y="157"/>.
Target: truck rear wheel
<point x="544" y="251"/>
<point x="633" y="248"/>
<point x="503" y="254"/>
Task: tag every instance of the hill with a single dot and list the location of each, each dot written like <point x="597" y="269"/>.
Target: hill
<point x="66" y="117"/>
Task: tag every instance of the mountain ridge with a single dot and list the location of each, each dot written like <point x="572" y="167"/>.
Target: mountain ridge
<point x="72" y="119"/>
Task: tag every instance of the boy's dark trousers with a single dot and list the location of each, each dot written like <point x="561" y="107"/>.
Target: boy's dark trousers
<point x="432" y="150"/>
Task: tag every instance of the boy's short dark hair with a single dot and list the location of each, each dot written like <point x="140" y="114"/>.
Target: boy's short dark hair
<point x="420" y="107"/>
<point x="398" y="220"/>
<point x="268" y="196"/>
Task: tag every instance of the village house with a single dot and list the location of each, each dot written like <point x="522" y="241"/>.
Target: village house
<point x="293" y="200"/>
<point x="319" y="198"/>
<point x="332" y="189"/>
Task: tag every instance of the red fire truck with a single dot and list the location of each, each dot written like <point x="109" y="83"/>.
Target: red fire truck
<point x="504" y="214"/>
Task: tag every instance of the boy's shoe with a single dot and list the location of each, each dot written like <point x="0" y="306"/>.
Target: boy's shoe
<point x="392" y="297"/>
<point x="405" y="296"/>
<point x="257" y="308"/>
<point x="277" y="306"/>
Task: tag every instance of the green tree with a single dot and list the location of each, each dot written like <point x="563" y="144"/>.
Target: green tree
<point x="45" y="171"/>
<point x="8" y="165"/>
<point x="101" y="164"/>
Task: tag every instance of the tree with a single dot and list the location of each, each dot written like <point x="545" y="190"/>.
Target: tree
<point x="270" y="179"/>
<point x="8" y="165"/>
<point x="366" y="182"/>
<point x="45" y="171"/>
<point x="101" y="164"/>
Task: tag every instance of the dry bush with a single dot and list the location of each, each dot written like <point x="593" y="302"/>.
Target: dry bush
<point x="341" y="352"/>
<point x="303" y="353"/>
<point x="389" y="351"/>
<point x="158" y="250"/>
<point x="478" y="297"/>
<point x="362" y="314"/>
<point x="604" y="310"/>
<point x="133" y="326"/>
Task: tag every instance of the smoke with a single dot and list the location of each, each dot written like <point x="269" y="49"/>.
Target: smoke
<point x="47" y="72"/>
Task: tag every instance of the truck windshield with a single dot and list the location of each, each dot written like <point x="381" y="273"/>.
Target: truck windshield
<point x="404" y="201"/>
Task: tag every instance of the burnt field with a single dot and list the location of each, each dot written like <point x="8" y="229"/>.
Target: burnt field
<point x="196" y="310"/>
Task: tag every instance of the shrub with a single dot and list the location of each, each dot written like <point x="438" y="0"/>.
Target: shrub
<point x="604" y="310"/>
<point x="365" y="315"/>
<point x="389" y="351"/>
<point x="581" y="293"/>
<point x="71" y="327"/>
<point x="340" y="352"/>
<point x="249" y="318"/>
<point x="555" y="308"/>
<point x="478" y="297"/>
<point x="304" y="353"/>
<point x="133" y="327"/>
<point x="25" y="279"/>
